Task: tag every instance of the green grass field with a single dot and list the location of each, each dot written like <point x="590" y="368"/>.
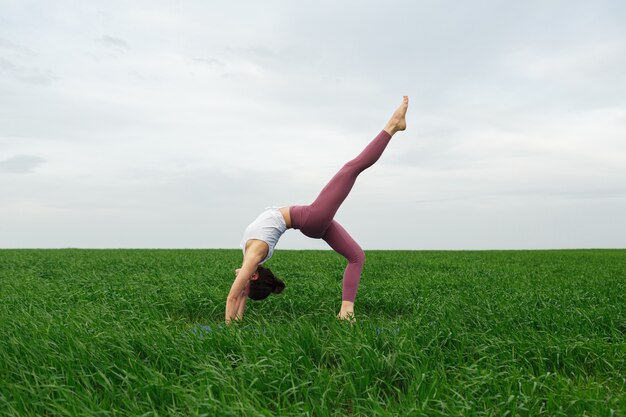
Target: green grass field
<point x="480" y="333"/>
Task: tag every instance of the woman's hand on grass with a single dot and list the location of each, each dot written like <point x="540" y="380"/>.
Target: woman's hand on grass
<point x="236" y="300"/>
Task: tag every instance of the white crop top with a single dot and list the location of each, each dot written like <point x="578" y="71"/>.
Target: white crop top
<point x="268" y="227"/>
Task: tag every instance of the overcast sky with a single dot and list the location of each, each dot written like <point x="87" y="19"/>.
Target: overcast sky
<point x="156" y="124"/>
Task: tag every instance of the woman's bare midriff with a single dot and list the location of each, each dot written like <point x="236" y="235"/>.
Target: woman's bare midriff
<point x="285" y="212"/>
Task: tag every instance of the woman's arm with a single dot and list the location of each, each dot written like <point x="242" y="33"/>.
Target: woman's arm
<point x="236" y="300"/>
<point x="236" y="291"/>
<point x="241" y="308"/>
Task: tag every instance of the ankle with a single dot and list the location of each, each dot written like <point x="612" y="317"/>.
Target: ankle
<point x="347" y="306"/>
<point x="391" y="129"/>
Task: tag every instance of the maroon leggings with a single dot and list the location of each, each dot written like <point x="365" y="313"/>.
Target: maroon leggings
<point x="316" y="219"/>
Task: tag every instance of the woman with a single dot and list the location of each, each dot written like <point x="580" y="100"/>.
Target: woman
<point x="315" y="221"/>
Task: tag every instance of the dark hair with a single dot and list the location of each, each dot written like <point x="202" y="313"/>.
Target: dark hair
<point x="266" y="284"/>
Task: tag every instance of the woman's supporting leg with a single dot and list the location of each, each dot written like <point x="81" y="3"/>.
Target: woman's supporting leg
<point x="341" y="242"/>
<point x="321" y="212"/>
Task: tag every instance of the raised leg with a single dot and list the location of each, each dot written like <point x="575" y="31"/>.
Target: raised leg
<point x="314" y="219"/>
<point x="323" y="209"/>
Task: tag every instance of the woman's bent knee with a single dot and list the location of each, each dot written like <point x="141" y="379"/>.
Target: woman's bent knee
<point x="358" y="257"/>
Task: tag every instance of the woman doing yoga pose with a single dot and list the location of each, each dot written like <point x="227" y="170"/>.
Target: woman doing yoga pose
<point x="315" y="221"/>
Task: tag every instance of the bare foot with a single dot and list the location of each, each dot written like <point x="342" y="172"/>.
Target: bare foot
<point x="397" y="122"/>
<point x="348" y="317"/>
<point x="347" y="311"/>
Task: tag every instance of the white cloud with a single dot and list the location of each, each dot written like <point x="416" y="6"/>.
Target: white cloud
<point x="113" y="42"/>
<point x="571" y="63"/>
<point x="21" y="164"/>
<point x="172" y="124"/>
